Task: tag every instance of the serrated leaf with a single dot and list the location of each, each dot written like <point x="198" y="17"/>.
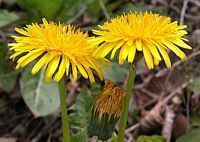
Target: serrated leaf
<point x="83" y="105"/>
<point x="7" y="17"/>
<point x="41" y="98"/>
<point x="144" y="138"/>
<point x="193" y="136"/>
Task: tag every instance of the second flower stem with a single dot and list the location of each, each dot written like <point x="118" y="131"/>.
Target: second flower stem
<point x="130" y="83"/>
<point x="63" y="106"/>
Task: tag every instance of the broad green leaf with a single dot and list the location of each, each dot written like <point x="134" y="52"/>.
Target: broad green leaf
<point x="41" y="98"/>
<point x="193" y="136"/>
<point x="115" y="72"/>
<point x="7" y="17"/>
<point x="41" y="8"/>
<point x="196" y="86"/>
<point x="144" y="138"/>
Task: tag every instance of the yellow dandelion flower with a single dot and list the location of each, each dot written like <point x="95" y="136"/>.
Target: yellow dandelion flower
<point x="149" y="33"/>
<point x="106" y="112"/>
<point x="60" y="49"/>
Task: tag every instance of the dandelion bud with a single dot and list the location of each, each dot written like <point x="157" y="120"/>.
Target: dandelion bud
<point x="106" y="111"/>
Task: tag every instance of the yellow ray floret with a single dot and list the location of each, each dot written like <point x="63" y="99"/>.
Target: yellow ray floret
<point x="149" y="33"/>
<point x="59" y="49"/>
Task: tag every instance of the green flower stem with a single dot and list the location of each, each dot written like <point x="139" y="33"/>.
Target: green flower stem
<point x="130" y="83"/>
<point x="63" y="103"/>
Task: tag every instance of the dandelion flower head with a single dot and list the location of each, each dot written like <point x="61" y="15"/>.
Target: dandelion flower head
<point x="106" y="111"/>
<point x="59" y="49"/>
<point x="151" y="34"/>
<point x="109" y="101"/>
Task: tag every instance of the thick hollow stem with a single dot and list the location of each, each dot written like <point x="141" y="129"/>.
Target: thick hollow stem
<point x="130" y="83"/>
<point x="63" y="106"/>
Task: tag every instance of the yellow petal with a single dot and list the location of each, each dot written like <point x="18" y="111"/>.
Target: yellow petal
<point x="15" y="55"/>
<point x="139" y="45"/>
<point x="105" y="50"/>
<point x="39" y="64"/>
<point x="118" y="45"/>
<point x="131" y="55"/>
<point x="61" y="71"/>
<point x="165" y="56"/>
<point x="182" y="44"/>
<point x="82" y="70"/>
<point x="90" y="74"/>
<point x="74" y="71"/>
<point x="52" y="66"/>
<point x="148" y="57"/>
<point x="23" y="61"/>
<point x="156" y="61"/>
<point x="175" y="49"/>
<point x="67" y="63"/>
<point x="152" y="48"/>
<point x="125" y="51"/>
<point x="21" y="31"/>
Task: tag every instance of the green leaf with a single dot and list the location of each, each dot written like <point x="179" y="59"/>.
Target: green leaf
<point x="41" y="8"/>
<point x="144" y="138"/>
<point x="42" y="99"/>
<point x="193" y="136"/>
<point x="115" y="72"/>
<point x="7" y="17"/>
<point x="196" y="86"/>
<point x="83" y="105"/>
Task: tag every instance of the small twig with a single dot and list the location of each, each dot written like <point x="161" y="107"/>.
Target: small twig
<point x="168" y="125"/>
<point x="149" y="93"/>
<point x="183" y="11"/>
<point x="176" y="9"/>
<point x="196" y="2"/>
<point x="130" y="137"/>
<point x="145" y="82"/>
<point x="132" y="128"/>
<point x="104" y="9"/>
<point x="163" y="71"/>
<point x="177" y="90"/>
